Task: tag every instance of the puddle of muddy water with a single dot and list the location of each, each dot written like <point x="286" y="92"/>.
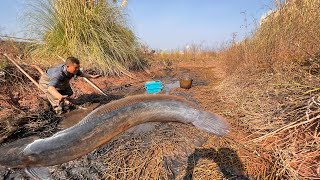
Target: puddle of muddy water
<point x="169" y="86"/>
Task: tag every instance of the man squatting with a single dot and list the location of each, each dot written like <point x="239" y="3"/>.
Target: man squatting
<point x="55" y="83"/>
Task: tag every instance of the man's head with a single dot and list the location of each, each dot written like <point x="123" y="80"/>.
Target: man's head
<point x="73" y="65"/>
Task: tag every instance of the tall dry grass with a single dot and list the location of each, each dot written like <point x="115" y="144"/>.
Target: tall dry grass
<point x="274" y="77"/>
<point x="96" y="32"/>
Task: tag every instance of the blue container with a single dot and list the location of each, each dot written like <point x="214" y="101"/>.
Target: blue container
<point x="153" y="87"/>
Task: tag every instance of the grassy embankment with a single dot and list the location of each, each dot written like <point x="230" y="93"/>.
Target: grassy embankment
<point x="273" y="77"/>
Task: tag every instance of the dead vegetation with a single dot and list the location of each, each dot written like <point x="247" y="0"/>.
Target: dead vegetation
<point x="268" y="86"/>
<point x="22" y="111"/>
<point x="275" y="88"/>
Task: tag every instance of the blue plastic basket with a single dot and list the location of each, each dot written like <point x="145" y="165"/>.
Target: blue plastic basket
<point x="153" y="87"/>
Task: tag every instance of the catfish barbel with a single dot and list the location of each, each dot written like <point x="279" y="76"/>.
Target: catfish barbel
<point x="102" y="125"/>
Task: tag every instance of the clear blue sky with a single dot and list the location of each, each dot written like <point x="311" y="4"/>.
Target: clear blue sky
<point x="168" y="24"/>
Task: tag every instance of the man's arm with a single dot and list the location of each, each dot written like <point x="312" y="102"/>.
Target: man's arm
<point x="53" y="91"/>
<point x="89" y="75"/>
<point x="54" y="82"/>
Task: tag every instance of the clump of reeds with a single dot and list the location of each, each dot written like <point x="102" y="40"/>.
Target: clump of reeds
<point x="94" y="31"/>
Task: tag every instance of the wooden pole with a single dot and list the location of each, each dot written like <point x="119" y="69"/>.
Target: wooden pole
<point x="90" y="82"/>
<point x="95" y="86"/>
<point x="24" y="72"/>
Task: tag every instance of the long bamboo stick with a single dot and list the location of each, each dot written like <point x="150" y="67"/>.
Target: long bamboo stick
<point x="88" y="81"/>
<point x="95" y="86"/>
<point x="24" y="72"/>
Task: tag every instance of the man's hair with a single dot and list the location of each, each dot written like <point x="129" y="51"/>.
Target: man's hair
<point x="72" y="60"/>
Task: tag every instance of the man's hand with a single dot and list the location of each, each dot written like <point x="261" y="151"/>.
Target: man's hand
<point x="53" y="91"/>
<point x="86" y="75"/>
<point x="94" y="76"/>
<point x="66" y="100"/>
<point x="63" y="98"/>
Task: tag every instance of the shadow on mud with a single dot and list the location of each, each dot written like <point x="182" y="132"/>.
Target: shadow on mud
<point x="96" y="98"/>
<point x="227" y="160"/>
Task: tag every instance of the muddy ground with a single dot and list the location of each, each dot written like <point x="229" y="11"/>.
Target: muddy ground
<point x="150" y="151"/>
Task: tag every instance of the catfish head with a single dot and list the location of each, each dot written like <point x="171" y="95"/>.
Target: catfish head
<point x="12" y="155"/>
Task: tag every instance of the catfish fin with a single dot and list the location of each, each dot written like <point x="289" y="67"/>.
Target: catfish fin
<point x="41" y="173"/>
<point x="212" y="123"/>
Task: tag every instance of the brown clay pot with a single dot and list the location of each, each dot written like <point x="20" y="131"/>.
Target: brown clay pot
<point x="185" y="83"/>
